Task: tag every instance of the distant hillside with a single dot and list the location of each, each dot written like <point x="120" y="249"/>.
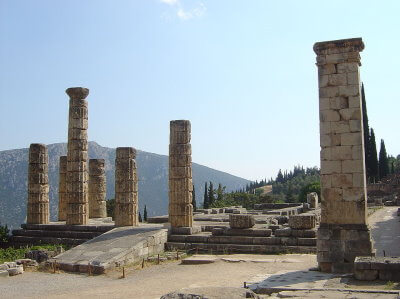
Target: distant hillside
<point x="152" y="170"/>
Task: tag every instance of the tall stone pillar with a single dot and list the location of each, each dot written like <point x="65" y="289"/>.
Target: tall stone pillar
<point x="62" y="189"/>
<point x="97" y="189"/>
<point x="343" y="233"/>
<point x="38" y="185"/>
<point x="126" y="188"/>
<point x="77" y="175"/>
<point x="180" y="174"/>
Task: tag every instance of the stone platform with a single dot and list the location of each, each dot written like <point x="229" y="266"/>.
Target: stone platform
<point x="117" y="247"/>
<point x="60" y="233"/>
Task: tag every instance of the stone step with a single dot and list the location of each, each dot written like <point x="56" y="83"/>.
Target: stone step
<point x="245" y="240"/>
<point x="238" y="248"/>
<point x="56" y="234"/>
<point x="63" y="227"/>
<point x="19" y="241"/>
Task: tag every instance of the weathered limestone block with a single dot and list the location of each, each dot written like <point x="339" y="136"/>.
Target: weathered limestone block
<point x="77" y="156"/>
<point x="343" y="184"/>
<point x="180" y="175"/>
<point x="38" y="185"/>
<point x="62" y="189"/>
<point x="312" y="199"/>
<point x="126" y="188"/>
<point x="302" y="221"/>
<point x="97" y="188"/>
<point x="241" y="221"/>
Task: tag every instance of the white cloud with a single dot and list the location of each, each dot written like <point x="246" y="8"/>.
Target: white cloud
<point x="170" y="2"/>
<point x="183" y="13"/>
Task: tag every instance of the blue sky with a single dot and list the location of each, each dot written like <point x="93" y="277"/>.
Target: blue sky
<point x="243" y="72"/>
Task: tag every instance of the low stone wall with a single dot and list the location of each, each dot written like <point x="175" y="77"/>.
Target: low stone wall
<point x="372" y="268"/>
<point x="274" y="206"/>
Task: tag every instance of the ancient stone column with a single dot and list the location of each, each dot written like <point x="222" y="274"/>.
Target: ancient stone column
<point x="77" y="175"/>
<point x="126" y="188"/>
<point x="180" y="174"/>
<point x="97" y="189"/>
<point x="343" y="233"/>
<point x="38" y="185"/>
<point x="62" y="189"/>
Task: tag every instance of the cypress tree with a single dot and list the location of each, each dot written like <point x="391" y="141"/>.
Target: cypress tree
<point x="367" y="140"/>
<point x="140" y="217"/>
<point x="205" y="202"/>
<point x="194" y="204"/>
<point x="211" y="193"/>
<point x="219" y="192"/>
<point x="373" y="159"/>
<point x="383" y="161"/>
<point x="145" y="214"/>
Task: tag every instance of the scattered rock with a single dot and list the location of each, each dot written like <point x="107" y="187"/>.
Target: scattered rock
<point x="19" y="269"/>
<point x="4" y="273"/>
<point x="211" y="293"/>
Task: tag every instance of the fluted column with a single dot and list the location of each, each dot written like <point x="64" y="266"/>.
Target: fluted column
<point x="180" y="174"/>
<point x="62" y="189"/>
<point x="97" y="189"/>
<point x="77" y="174"/>
<point x="126" y="187"/>
<point x="38" y="185"/>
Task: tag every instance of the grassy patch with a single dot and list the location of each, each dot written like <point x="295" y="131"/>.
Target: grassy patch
<point x="11" y="254"/>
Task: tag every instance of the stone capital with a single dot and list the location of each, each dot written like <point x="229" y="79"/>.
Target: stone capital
<point x="77" y="93"/>
<point x="339" y="46"/>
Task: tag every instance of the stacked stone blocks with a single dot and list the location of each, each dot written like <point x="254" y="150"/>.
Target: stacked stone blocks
<point x="371" y="268"/>
<point x="97" y="189"/>
<point x="343" y="182"/>
<point x="62" y="189"/>
<point x="180" y="174"/>
<point x="38" y="185"/>
<point x="126" y="188"/>
<point x="241" y="221"/>
<point x="77" y="156"/>
<point x="302" y="221"/>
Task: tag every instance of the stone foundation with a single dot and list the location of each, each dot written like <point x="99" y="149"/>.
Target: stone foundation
<point x="339" y="245"/>
<point x="372" y="268"/>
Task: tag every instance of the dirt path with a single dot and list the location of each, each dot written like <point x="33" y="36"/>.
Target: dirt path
<point x="151" y="282"/>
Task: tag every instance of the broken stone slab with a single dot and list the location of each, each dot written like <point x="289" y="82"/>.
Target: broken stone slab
<point x="211" y="293"/>
<point x="4" y="273"/>
<point x="3" y="267"/>
<point x="19" y="269"/>
<point x="283" y="232"/>
<point x="241" y="221"/>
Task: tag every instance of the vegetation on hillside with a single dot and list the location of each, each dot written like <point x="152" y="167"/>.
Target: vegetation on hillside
<point x="288" y="186"/>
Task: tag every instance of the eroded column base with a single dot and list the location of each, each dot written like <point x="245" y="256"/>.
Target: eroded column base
<point x="339" y="244"/>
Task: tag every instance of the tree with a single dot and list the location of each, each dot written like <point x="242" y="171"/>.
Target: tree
<point x="110" y="207"/>
<point x="373" y="159"/>
<point x="4" y="234"/>
<point x="211" y="193"/>
<point x="279" y="177"/>
<point x="383" y="161"/>
<point x="194" y="204"/>
<point x="140" y="217"/>
<point x="220" y="192"/>
<point x="311" y="187"/>
<point x="145" y="214"/>
<point x="367" y="140"/>
<point x="205" y="202"/>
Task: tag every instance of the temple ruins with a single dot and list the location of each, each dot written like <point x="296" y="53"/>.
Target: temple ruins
<point x="180" y="174"/>
<point x="126" y="187"/>
<point x="38" y="185"/>
<point x="343" y="233"/>
<point x="97" y="189"/>
<point x="77" y="156"/>
<point x="62" y="189"/>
